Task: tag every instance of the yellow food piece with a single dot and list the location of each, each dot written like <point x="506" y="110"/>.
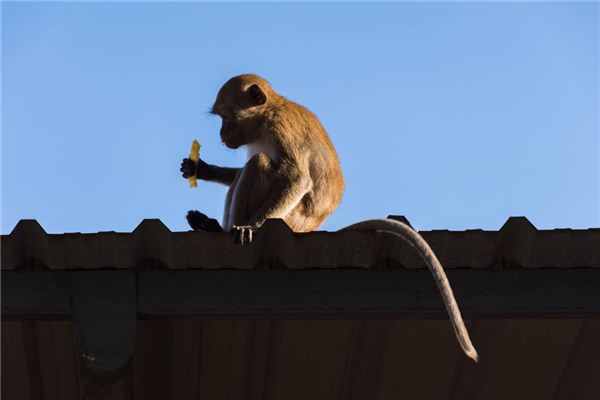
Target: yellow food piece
<point x="194" y="156"/>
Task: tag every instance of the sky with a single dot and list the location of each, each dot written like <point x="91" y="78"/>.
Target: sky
<point x="455" y="115"/>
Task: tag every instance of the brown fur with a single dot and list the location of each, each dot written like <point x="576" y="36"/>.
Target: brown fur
<point x="293" y="171"/>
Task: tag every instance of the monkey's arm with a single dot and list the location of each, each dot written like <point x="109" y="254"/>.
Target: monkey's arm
<point x="223" y="175"/>
<point x="208" y="172"/>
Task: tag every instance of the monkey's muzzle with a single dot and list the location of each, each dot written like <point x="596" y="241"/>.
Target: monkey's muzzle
<point x="232" y="143"/>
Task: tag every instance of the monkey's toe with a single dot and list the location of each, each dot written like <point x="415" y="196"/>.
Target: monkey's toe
<point x="243" y="235"/>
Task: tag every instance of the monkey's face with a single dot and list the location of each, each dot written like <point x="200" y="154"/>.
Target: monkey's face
<point x="240" y="104"/>
<point x="236" y="132"/>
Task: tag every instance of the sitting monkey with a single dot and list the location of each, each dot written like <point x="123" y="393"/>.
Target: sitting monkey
<point x="292" y="173"/>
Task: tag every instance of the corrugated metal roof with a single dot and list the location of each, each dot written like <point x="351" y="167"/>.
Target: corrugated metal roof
<point x="518" y="244"/>
<point x="222" y="357"/>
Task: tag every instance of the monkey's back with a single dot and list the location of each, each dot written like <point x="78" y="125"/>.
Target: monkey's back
<point x="311" y="141"/>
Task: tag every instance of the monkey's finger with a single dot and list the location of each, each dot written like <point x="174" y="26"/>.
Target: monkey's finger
<point x="235" y="233"/>
<point x="240" y="235"/>
<point x="246" y="235"/>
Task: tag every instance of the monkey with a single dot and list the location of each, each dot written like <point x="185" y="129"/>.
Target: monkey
<point x="293" y="173"/>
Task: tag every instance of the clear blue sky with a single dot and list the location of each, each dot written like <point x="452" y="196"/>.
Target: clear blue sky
<point x="457" y="115"/>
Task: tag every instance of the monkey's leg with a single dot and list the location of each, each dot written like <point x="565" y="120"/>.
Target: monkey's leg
<point x="251" y="190"/>
<point x="254" y="184"/>
<point x="228" y="202"/>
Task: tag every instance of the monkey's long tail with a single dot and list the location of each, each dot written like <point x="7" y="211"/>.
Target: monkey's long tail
<point x="413" y="238"/>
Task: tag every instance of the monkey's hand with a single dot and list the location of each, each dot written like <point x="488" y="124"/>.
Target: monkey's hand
<point x="190" y="167"/>
<point x="243" y="234"/>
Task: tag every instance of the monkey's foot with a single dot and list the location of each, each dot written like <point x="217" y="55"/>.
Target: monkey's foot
<point x="200" y="222"/>
<point x="243" y="234"/>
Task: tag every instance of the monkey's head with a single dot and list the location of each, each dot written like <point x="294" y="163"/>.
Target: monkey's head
<point x="241" y="104"/>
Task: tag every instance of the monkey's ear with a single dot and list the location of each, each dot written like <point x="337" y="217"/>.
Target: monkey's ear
<point x="257" y="96"/>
